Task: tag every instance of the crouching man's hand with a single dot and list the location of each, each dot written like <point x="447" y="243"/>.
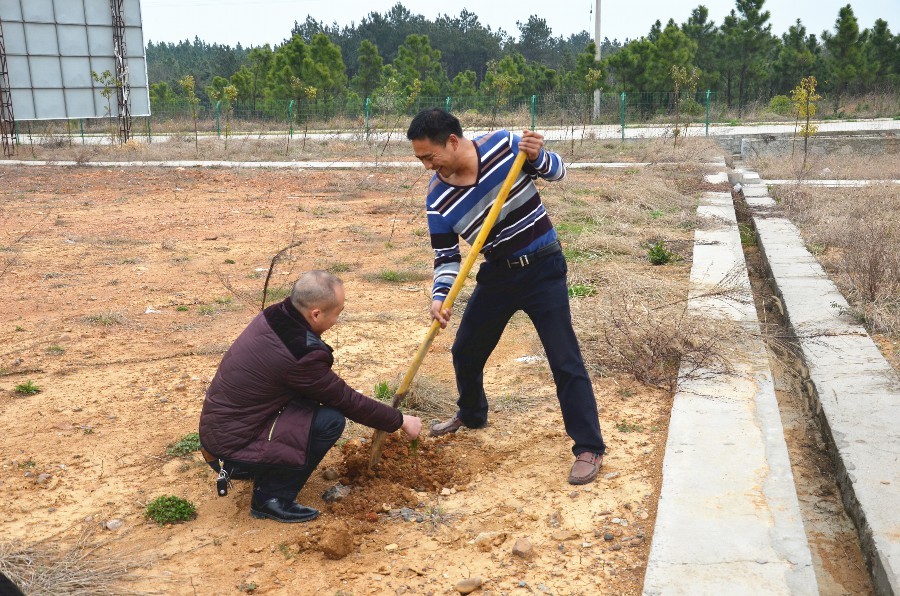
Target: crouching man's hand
<point x="412" y="426"/>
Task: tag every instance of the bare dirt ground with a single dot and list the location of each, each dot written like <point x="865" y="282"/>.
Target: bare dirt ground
<point x="122" y="288"/>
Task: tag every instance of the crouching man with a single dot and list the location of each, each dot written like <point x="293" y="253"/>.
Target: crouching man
<point x="275" y="407"/>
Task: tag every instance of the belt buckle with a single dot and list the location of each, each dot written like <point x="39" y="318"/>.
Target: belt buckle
<point x="523" y="260"/>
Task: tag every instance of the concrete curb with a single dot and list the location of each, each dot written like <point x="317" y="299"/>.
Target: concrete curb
<point x="729" y="520"/>
<point x="855" y="392"/>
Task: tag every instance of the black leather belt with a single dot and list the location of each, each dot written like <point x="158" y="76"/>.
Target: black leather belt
<point x="526" y="260"/>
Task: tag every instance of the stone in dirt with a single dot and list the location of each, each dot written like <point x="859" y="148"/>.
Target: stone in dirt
<point x="485" y="541"/>
<point x="337" y="540"/>
<point x="330" y="474"/>
<point x="467" y="586"/>
<point x="563" y="535"/>
<point x="113" y="524"/>
<point x="522" y="548"/>
<point x="335" y="493"/>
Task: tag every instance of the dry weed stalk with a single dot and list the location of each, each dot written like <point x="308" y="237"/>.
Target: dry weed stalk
<point x="82" y="569"/>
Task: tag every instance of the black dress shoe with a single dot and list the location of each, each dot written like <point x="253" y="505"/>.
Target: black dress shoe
<point x="282" y="510"/>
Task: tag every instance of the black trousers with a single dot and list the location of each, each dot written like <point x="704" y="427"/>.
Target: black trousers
<point x="286" y="483"/>
<point x="539" y="289"/>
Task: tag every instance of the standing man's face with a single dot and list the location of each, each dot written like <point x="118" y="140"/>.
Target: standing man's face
<point x="436" y="157"/>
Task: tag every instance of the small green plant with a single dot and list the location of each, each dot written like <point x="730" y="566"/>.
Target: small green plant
<point x="656" y="214"/>
<point x="339" y="268"/>
<point x="229" y="261"/>
<point x="659" y="254"/>
<point x="581" y="290"/>
<point x="185" y="445"/>
<point x="19" y="328"/>
<point x="182" y="308"/>
<point x="392" y="276"/>
<point x="206" y="310"/>
<point x="169" y="509"/>
<point x="27" y="388"/>
<point x="223" y="300"/>
<point x="247" y="587"/>
<point x="55" y="350"/>
<point x="628" y="427"/>
<point x="748" y="237"/>
<point x="383" y="392"/>
<point x="275" y="294"/>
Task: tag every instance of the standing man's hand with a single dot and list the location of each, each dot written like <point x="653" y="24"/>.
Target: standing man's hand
<point x="531" y="144"/>
<point x="437" y="314"/>
<point x="412" y="426"/>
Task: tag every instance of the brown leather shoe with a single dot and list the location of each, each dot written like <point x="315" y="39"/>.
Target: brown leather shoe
<point x="447" y="427"/>
<point x="585" y="468"/>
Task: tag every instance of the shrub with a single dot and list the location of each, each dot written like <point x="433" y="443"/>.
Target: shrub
<point x="185" y="445"/>
<point x="659" y="254"/>
<point x="169" y="509"/>
<point x="27" y="388"/>
<point x="781" y="105"/>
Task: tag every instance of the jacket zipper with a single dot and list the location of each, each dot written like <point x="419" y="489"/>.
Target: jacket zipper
<point x="274" y="422"/>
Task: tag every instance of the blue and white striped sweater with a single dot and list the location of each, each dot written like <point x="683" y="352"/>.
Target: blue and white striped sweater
<point x="459" y="211"/>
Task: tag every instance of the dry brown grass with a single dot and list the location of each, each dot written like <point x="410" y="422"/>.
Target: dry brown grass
<point x="855" y="233"/>
<point x="85" y="568"/>
<point x="827" y="167"/>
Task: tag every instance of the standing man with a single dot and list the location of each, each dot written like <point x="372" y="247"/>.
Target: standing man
<point x="275" y="407"/>
<point x="524" y="269"/>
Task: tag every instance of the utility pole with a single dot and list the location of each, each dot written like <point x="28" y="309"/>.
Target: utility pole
<point x="597" y="42"/>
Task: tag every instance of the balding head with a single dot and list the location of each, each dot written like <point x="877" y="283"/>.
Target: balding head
<point x="319" y="297"/>
<point x="315" y="289"/>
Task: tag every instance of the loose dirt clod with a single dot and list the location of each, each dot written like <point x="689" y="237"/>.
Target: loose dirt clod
<point x="337" y="540"/>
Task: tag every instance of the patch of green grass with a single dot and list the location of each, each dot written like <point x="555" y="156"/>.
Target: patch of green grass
<point x="276" y="294"/>
<point x="658" y="254"/>
<point x="19" y="328"/>
<point x="27" y="388"/>
<point x="182" y="308"/>
<point x="581" y="290"/>
<point x="187" y="444"/>
<point x="748" y="237"/>
<point x="570" y="228"/>
<point x="229" y="261"/>
<point x="625" y="426"/>
<point x="392" y="276"/>
<point x="105" y="319"/>
<point x="223" y="300"/>
<point x="206" y="310"/>
<point x="576" y="255"/>
<point x="383" y="392"/>
<point x="55" y="350"/>
<point x="339" y="268"/>
<point x="656" y="214"/>
<point x="169" y="509"/>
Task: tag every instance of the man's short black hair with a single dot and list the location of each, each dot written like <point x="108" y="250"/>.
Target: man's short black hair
<point x="434" y="124"/>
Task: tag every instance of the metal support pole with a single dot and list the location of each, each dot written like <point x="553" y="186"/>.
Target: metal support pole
<point x="623" y="116"/>
<point x="81" y="123"/>
<point x="533" y="99"/>
<point x="291" y="119"/>
<point x="123" y="86"/>
<point x="7" y="119"/>
<point x="368" y="104"/>
<point x="708" y="92"/>
<point x="149" y="134"/>
<point x="448" y="103"/>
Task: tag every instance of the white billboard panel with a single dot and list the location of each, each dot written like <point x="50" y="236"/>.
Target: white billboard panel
<point x="53" y="45"/>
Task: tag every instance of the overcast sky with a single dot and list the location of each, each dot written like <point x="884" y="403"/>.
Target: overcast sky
<point x="255" y="22"/>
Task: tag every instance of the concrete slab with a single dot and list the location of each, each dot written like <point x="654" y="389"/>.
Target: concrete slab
<point x="856" y="393"/>
<point x="728" y="520"/>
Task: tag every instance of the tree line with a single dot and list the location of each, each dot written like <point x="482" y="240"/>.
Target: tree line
<point x="401" y="54"/>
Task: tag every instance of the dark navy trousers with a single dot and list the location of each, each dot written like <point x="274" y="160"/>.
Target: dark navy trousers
<point x="286" y="483"/>
<point x="539" y="289"/>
